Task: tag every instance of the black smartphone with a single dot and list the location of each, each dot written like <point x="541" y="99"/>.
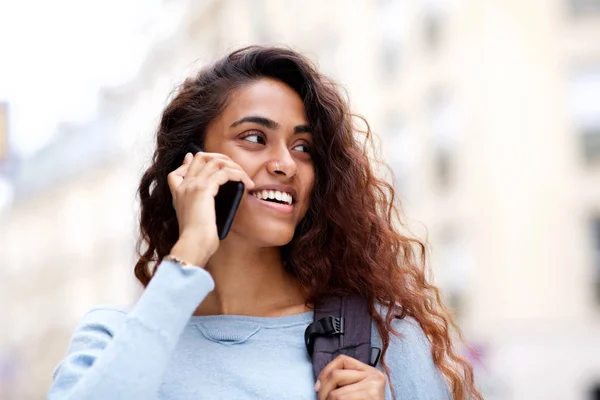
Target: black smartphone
<point x="227" y="201"/>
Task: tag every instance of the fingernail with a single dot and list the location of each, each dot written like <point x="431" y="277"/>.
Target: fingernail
<point x="317" y="385"/>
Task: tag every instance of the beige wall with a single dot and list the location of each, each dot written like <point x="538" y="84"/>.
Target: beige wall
<point x="62" y="253"/>
<point x="521" y="196"/>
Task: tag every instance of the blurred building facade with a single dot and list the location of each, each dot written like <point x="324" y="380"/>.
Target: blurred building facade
<point x="489" y="115"/>
<point x="501" y="102"/>
<point x="498" y="104"/>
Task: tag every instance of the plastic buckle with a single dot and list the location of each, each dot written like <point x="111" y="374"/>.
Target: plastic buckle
<point x="333" y="326"/>
<point x="374" y="359"/>
<point x="326" y="326"/>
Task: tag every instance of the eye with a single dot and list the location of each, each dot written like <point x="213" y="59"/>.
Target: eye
<point x="304" y="147"/>
<point x="255" y="137"/>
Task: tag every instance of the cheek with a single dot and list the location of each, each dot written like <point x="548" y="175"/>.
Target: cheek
<point x="249" y="165"/>
<point x="310" y="189"/>
<point x="308" y="178"/>
<point x="307" y="188"/>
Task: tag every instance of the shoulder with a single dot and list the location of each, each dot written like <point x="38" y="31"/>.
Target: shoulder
<point x="413" y="374"/>
<point x="412" y="342"/>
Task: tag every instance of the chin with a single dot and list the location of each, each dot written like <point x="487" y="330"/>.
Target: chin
<point x="275" y="238"/>
<point x="268" y="235"/>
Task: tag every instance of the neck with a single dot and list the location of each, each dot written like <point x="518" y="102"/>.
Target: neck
<point x="251" y="281"/>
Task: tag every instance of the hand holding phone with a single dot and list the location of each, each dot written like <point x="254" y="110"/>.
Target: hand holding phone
<point x="227" y="201"/>
<point x="206" y="191"/>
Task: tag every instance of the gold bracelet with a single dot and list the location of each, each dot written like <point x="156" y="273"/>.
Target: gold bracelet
<point x="177" y="260"/>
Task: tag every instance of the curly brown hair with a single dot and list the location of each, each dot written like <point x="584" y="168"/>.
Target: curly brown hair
<point x="348" y="242"/>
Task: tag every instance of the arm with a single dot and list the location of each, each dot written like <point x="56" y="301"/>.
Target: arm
<point x="118" y="356"/>
<point x="113" y="356"/>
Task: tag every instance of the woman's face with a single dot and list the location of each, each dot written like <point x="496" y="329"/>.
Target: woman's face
<point x="264" y="130"/>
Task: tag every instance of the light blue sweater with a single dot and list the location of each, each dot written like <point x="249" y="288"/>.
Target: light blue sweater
<point x="157" y="351"/>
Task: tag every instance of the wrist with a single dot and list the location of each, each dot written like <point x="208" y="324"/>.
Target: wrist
<point x="177" y="260"/>
<point x="190" y="252"/>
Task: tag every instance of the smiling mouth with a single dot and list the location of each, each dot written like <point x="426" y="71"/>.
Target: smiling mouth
<point x="274" y="196"/>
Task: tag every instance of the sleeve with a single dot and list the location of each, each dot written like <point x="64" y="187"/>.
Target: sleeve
<point x="119" y="355"/>
<point x="413" y="374"/>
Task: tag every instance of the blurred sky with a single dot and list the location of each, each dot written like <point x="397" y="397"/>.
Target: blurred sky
<point x="56" y="54"/>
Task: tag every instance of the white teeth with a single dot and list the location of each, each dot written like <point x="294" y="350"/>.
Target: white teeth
<point x="274" y="194"/>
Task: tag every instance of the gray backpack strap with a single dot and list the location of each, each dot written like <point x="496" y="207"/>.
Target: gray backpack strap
<point x="342" y="325"/>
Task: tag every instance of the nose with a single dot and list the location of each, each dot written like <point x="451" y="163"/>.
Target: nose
<point x="282" y="163"/>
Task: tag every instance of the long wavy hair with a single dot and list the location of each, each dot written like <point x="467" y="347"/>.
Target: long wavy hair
<point x="348" y="242"/>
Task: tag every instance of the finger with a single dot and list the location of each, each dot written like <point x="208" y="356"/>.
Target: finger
<point x="339" y="378"/>
<point x="175" y="177"/>
<point x="209" y="156"/>
<point x="234" y="170"/>
<point x="208" y="169"/>
<point x="212" y="183"/>
<point x="220" y="160"/>
<point x="218" y="155"/>
<point x="183" y="178"/>
<point x="342" y="362"/>
<point x="224" y="175"/>
<point x="218" y="179"/>
<point x="360" y="390"/>
<point x="227" y="162"/>
<point x="174" y="180"/>
<point x="182" y="169"/>
<point x="197" y="163"/>
<point x="238" y="174"/>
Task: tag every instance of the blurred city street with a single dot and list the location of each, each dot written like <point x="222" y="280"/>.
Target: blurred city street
<point x="487" y="111"/>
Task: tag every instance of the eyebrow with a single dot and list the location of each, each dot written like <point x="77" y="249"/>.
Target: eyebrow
<point x="268" y="123"/>
<point x="301" y="129"/>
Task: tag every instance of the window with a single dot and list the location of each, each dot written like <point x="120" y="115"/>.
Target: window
<point x="7" y="194"/>
<point x="454" y="270"/>
<point x="3" y="131"/>
<point x="392" y="23"/>
<point x="582" y="7"/>
<point x="445" y="132"/>
<point x="400" y="150"/>
<point x="433" y="22"/>
<point x="584" y="104"/>
<point x="432" y="31"/>
<point x="596" y="256"/>
<point x="390" y="58"/>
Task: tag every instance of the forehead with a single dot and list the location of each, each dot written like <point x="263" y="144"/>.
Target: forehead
<point x="266" y="97"/>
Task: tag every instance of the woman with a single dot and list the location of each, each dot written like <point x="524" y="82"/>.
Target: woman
<point x="226" y="318"/>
